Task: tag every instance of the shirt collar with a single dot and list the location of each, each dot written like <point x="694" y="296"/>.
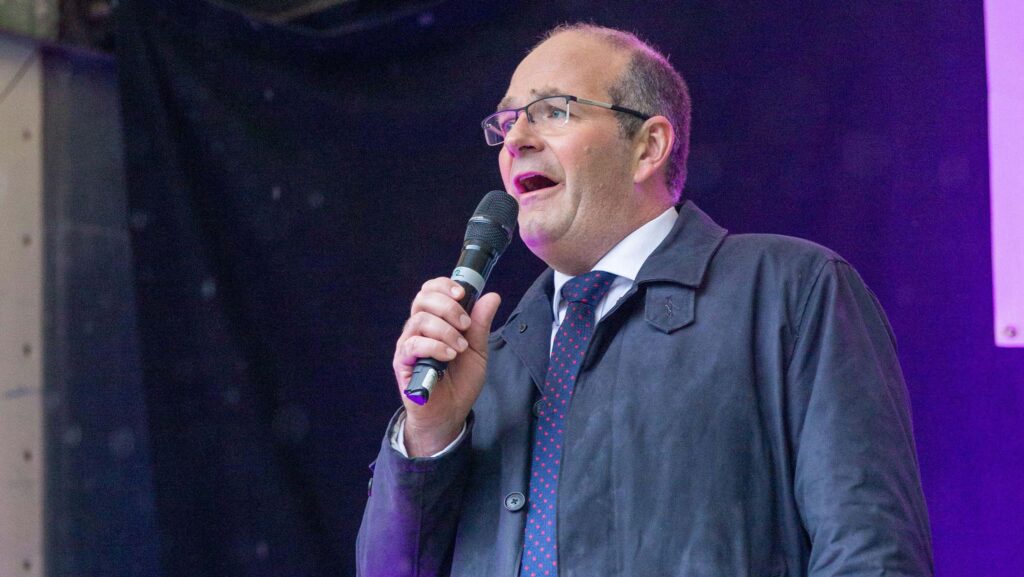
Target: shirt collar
<point x="625" y="258"/>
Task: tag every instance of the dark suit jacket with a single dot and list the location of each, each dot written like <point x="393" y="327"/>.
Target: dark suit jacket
<point x="740" y="412"/>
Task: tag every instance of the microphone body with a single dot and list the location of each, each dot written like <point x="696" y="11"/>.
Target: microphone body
<point x="487" y="235"/>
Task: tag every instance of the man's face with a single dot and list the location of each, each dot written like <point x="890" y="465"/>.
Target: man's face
<point x="584" y="171"/>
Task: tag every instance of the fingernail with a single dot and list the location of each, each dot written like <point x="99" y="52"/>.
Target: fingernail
<point x="463" y="344"/>
<point x="465" y="320"/>
<point x="455" y="291"/>
<point x="451" y="352"/>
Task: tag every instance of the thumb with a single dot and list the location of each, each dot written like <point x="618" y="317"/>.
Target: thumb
<point x="482" y="316"/>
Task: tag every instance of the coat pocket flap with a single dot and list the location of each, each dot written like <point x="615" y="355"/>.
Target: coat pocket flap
<point x="669" y="306"/>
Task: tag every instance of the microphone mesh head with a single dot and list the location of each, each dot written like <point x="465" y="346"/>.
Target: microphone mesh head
<point x="499" y="207"/>
<point x="493" y="221"/>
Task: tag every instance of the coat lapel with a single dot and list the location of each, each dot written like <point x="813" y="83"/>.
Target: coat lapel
<point x="528" y="330"/>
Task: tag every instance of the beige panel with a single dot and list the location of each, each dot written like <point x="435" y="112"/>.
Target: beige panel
<point x="21" y="270"/>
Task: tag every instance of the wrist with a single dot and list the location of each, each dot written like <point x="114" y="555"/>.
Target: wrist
<point x="426" y="441"/>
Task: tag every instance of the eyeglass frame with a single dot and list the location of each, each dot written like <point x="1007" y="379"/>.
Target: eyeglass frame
<point x="569" y="98"/>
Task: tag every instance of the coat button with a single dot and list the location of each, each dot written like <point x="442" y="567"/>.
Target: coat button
<point x="537" y="407"/>
<point x="515" y="501"/>
<point x="522" y="327"/>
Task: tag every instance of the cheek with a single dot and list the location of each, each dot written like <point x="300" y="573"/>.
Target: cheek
<point x="505" y="167"/>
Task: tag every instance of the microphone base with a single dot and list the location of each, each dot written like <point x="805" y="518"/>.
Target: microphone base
<point x="422" y="383"/>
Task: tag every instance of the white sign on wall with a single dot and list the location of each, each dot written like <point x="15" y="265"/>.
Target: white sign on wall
<point x="1004" y="43"/>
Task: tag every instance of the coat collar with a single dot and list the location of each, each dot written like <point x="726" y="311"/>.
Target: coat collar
<point x="681" y="259"/>
<point x="684" y="255"/>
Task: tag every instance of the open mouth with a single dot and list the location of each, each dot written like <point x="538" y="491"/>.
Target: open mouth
<point x="532" y="182"/>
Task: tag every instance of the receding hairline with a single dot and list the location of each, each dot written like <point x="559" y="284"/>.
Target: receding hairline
<point x="618" y="38"/>
<point x="627" y="46"/>
<point x="622" y="41"/>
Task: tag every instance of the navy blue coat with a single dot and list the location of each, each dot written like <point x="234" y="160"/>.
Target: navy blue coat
<point x="740" y="412"/>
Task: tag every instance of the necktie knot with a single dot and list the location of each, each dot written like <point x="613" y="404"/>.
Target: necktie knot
<point x="588" y="288"/>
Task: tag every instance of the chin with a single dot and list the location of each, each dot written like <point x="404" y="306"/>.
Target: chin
<point x="531" y="239"/>
<point x="535" y="238"/>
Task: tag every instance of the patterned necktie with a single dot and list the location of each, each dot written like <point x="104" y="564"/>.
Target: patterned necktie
<point x="583" y="293"/>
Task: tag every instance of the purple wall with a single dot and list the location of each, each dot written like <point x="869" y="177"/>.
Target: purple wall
<point x="902" y="190"/>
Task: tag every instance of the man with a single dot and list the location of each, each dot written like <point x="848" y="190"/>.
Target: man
<point x="668" y="400"/>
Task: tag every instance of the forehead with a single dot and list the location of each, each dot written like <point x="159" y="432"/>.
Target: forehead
<point x="568" y="63"/>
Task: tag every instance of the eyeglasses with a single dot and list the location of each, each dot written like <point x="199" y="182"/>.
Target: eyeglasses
<point x="546" y="115"/>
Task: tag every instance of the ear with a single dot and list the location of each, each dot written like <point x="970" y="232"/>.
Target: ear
<point x="652" y="148"/>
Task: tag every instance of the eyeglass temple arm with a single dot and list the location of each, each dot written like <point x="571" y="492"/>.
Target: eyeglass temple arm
<point x="614" y="107"/>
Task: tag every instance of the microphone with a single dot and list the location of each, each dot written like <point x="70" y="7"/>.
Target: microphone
<point x="487" y="236"/>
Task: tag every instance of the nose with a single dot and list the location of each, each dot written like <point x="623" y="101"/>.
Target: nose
<point x="521" y="137"/>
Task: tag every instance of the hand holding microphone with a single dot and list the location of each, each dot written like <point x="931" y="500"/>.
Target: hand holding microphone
<point x="441" y="356"/>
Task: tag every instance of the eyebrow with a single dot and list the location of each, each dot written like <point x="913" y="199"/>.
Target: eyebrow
<point x="506" y="102"/>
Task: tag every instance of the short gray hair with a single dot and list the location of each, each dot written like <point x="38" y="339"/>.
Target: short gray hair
<point x="650" y="85"/>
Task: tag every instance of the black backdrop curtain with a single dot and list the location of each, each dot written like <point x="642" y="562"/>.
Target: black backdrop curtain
<point x="290" y="188"/>
<point x="289" y="191"/>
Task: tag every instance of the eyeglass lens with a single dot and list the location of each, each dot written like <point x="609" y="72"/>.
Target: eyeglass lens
<point x="545" y="115"/>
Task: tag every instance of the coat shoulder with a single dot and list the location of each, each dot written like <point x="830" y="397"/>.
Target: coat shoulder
<point x="787" y="252"/>
<point x="777" y="271"/>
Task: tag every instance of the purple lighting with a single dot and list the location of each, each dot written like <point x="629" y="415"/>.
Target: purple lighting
<point x="1005" y="57"/>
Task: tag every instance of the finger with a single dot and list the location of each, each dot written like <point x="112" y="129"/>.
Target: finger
<point x="418" y="347"/>
<point x="403" y="373"/>
<point x="441" y="305"/>
<point x="443" y="285"/>
<point x="483" y="315"/>
<point x="427" y="325"/>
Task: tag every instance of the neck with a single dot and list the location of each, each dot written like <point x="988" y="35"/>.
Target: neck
<point x="587" y="252"/>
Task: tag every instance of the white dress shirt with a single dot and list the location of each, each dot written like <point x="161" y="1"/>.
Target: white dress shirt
<point x="623" y="260"/>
